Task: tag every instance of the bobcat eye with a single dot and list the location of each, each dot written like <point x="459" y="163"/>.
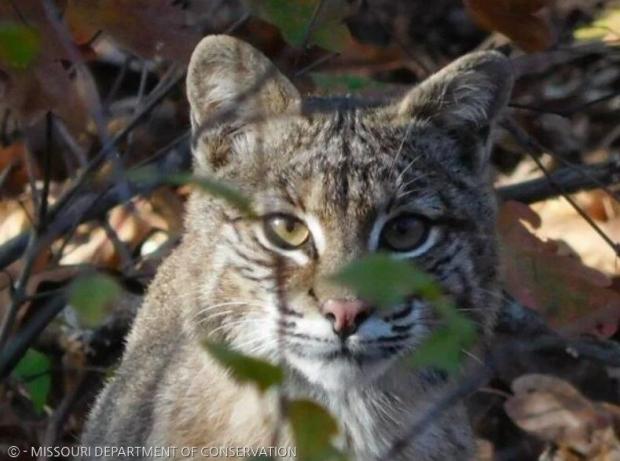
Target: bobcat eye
<point x="285" y="231"/>
<point x="404" y="233"/>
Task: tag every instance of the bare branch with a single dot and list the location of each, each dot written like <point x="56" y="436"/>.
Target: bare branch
<point x="569" y="179"/>
<point x="532" y="147"/>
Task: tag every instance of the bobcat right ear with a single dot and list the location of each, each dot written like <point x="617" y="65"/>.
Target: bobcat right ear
<point x="469" y="93"/>
<point x="231" y="79"/>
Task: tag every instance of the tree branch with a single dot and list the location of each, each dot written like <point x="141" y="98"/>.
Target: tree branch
<point x="570" y="180"/>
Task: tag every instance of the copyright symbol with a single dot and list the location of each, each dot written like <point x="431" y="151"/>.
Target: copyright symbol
<point x="13" y="452"/>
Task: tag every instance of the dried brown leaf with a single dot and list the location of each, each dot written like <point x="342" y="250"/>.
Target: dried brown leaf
<point x="553" y="410"/>
<point x="149" y="28"/>
<point x="571" y="296"/>
<point x="516" y="19"/>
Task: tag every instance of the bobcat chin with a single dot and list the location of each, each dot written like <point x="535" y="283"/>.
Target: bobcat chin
<point x="331" y="180"/>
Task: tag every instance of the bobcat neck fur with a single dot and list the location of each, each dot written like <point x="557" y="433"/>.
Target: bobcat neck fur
<point x="345" y="179"/>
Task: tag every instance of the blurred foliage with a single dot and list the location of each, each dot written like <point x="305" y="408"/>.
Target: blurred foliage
<point x="244" y="368"/>
<point x="217" y="188"/>
<point x="307" y="22"/>
<point x="19" y="45"/>
<point x="314" y="430"/>
<point x="386" y="281"/>
<point x="90" y="295"/>
<point x="33" y="370"/>
<point x="344" y="83"/>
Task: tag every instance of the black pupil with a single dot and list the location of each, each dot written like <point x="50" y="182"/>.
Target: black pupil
<point x="403" y="226"/>
<point x="290" y="225"/>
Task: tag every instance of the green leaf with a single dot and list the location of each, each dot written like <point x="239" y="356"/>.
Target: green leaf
<point x="33" y="370"/>
<point x="90" y="295"/>
<point x="386" y="281"/>
<point x="293" y="19"/>
<point x="246" y="369"/>
<point x="352" y="83"/>
<point x="19" y="45"/>
<point x="212" y="186"/>
<point x="224" y="191"/>
<point x="313" y="430"/>
<point x="443" y="349"/>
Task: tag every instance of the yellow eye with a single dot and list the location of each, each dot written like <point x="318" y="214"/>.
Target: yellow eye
<point x="286" y="231"/>
<point x="404" y="233"/>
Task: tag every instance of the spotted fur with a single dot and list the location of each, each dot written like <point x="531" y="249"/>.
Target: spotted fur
<point x="343" y="167"/>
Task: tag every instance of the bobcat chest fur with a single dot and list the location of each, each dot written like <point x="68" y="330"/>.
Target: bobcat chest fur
<point x="331" y="180"/>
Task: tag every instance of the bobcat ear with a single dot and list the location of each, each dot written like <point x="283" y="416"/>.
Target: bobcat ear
<point x="227" y="73"/>
<point x="468" y="93"/>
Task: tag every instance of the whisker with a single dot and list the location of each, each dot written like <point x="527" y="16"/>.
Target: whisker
<point x="231" y="303"/>
<point x="399" y="178"/>
<point x="401" y="146"/>
<point x="224" y="313"/>
<point x="473" y="356"/>
<point x="231" y="325"/>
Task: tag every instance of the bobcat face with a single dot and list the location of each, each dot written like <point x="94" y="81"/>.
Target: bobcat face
<point x="333" y="180"/>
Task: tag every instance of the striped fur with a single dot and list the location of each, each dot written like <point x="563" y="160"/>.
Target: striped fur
<point x="343" y="167"/>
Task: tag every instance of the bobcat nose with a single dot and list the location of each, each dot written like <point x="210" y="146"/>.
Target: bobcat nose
<point x="346" y="315"/>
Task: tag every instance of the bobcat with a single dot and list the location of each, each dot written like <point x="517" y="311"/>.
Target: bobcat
<point x="331" y="180"/>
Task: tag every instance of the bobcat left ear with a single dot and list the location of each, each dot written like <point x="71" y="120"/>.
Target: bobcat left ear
<point x="468" y="93"/>
<point x="228" y="76"/>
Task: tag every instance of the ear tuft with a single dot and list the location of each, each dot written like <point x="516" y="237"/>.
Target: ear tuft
<point x="470" y="92"/>
<point x="226" y="73"/>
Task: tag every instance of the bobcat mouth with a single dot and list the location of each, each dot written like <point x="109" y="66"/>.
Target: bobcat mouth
<point x="339" y="367"/>
<point x="358" y="357"/>
<point x="345" y="353"/>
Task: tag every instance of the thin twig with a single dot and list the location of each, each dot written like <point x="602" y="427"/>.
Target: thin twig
<point x="91" y="93"/>
<point x="19" y="289"/>
<point x="4" y="174"/>
<point x="120" y="76"/>
<point x="13" y="351"/>
<point x="44" y="197"/>
<point x="583" y="172"/>
<point x="568" y="111"/>
<point x="120" y="246"/>
<point x="98" y="159"/>
<point x="475" y="378"/>
<point x="532" y="147"/>
<point x="315" y="64"/>
<point x="311" y="24"/>
<point x="62" y="412"/>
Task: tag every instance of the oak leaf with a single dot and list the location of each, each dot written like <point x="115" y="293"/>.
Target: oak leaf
<point x="572" y="297"/>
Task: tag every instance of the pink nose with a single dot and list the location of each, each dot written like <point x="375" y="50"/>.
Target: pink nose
<point x="346" y="315"/>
